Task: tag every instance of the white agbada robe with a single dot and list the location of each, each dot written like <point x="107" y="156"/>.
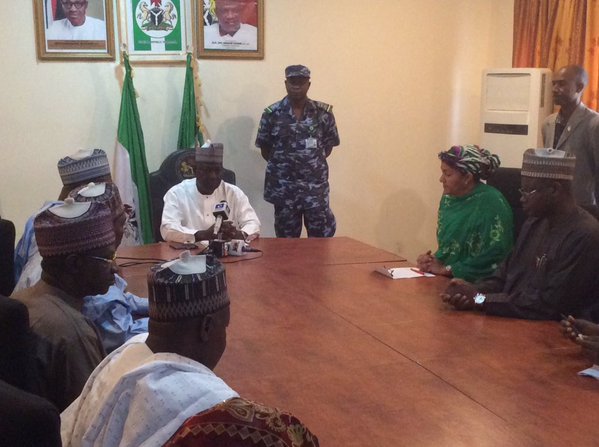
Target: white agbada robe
<point x="138" y="398"/>
<point x="186" y="211"/>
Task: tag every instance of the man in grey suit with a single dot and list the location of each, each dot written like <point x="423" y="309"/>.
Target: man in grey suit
<point x="575" y="129"/>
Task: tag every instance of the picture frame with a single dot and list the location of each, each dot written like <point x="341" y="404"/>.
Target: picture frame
<point x="156" y="31"/>
<point x="246" y="16"/>
<point x="83" y="31"/>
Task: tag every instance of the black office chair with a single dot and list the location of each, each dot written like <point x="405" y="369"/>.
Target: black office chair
<point x="17" y="344"/>
<point x="507" y="181"/>
<point x="7" y="257"/>
<point x="27" y="420"/>
<point x="178" y="166"/>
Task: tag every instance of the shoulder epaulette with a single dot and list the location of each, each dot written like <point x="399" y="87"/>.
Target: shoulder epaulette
<point x="324" y="106"/>
<point x="271" y="108"/>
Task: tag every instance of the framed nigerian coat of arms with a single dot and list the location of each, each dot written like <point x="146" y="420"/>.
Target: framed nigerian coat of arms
<point x="156" y="30"/>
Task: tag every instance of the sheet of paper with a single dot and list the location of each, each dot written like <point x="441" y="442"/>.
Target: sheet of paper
<point x="593" y="371"/>
<point x="403" y="272"/>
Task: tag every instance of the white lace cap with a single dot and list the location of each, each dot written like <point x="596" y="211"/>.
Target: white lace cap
<point x="70" y="209"/>
<point x="550" y="152"/>
<point x="187" y="264"/>
<point x="81" y="154"/>
<point x="93" y="190"/>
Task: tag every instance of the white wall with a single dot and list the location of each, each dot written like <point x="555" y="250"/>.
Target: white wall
<point x="404" y="77"/>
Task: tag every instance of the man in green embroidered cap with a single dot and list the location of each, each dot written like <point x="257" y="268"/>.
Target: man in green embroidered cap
<point x="552" y="270"/>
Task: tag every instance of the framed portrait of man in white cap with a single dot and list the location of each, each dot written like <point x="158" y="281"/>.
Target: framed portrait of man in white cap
<point x="230" y="29"/>
<point x="74" y="29"/>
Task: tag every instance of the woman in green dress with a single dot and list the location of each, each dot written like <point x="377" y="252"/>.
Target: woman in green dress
<point x="475" y="229"/>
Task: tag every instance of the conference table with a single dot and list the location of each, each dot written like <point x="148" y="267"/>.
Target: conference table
<point x="364" y="360"/>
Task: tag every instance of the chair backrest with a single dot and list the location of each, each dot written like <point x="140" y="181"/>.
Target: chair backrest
<point x="7" y="257"/>
<point x="178" y="166"/>
<point x="18" y="365"/>
<point x="27" y="419"/>
<point x="507" y="181"/>
<point x="15" y="342"/>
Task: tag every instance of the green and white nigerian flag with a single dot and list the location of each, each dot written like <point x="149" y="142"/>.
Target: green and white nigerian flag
<point x="189" y="129"/>
<point x="131" y="168"/>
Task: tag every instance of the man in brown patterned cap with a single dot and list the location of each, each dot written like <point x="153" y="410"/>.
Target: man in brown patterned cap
<point x="118" y="314"/>
<point x="112" y="312"/>
<point x="144" y="391"/>
<point x="552" y="270"/>
<point x="80" y="168"/>
<point x="76" y="242"/>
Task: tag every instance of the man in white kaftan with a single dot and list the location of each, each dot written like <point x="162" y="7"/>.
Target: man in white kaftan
<point x="186" y="211"/>
<point x="143" y="391"/>
<point x="188" y="207"/>
<point x="136" y="396"/>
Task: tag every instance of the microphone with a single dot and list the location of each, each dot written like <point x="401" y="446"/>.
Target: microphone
<point x="221" y="212"/>
<point x="238" y="247"/>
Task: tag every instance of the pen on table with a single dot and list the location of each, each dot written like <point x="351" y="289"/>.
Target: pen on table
<point x="417" y="271"/>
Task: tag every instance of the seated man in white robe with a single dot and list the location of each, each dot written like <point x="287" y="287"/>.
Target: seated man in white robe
<point x="188" y="207"/>
<point x="143" y="391"/>
<point x="146" y="390"/>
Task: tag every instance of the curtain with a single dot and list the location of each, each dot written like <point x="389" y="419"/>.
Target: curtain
<point x="591" y="63"/>
<point x="554" y="33"/>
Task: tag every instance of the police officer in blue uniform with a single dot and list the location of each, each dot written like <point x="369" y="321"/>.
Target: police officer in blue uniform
<point x="296" y="135"/>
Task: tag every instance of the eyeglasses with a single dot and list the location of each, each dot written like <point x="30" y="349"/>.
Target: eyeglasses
<point x="98" y="258"/>
<point x="77" y="5"/>
<point x="526" y="194"/>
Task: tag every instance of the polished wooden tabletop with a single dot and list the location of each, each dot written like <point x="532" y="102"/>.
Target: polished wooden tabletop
<point x="364" y="360"/>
